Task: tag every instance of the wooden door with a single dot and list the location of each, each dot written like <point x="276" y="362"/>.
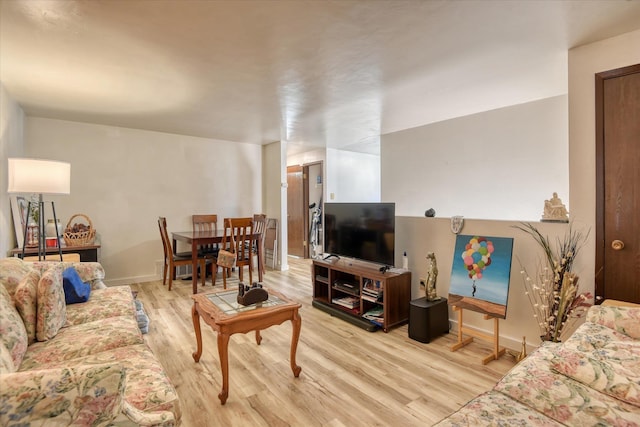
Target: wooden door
<point x="618" y="184"/>
<point x="295" y="212"/>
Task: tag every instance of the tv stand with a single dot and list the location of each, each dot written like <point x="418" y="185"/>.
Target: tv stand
<point x="361" y="293"/>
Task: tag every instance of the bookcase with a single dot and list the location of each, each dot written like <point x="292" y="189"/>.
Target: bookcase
<point x="358" y="292"/>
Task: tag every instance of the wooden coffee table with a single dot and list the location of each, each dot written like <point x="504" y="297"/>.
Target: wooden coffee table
<point x="225" y="316"/>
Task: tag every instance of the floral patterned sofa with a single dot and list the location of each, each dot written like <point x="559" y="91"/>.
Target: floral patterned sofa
<point x="591" y="379"/>
<point x="78" y="364"/>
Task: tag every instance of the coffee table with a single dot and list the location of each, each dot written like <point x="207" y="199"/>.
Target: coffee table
<point x="221" y="311"/>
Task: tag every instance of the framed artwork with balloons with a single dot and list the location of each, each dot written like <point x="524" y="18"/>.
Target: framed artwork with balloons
<point x="480" y="274"/>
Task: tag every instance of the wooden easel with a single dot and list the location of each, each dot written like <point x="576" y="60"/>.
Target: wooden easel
<point x="497" y="351"/>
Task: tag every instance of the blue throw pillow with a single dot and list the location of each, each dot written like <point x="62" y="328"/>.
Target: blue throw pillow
<point x="75" y="290"/>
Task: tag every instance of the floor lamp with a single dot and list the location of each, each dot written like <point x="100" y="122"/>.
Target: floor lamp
<point x="39" y="177"/>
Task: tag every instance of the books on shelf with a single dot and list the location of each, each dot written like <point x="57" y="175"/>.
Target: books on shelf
<point x="377" y="300"/>
<point x="375" y="315"/>
<point x="348" y="302"/>
<point x="372" y="290"/>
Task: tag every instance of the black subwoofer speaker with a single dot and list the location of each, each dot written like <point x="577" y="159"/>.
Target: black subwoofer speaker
<point x="428" y="319"/>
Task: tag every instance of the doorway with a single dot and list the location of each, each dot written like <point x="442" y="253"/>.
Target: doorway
<point x="304" y="209"/>
<point x="618" y="184"/>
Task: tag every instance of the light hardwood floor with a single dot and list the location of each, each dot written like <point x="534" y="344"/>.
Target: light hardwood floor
<point x="350" y="377"/>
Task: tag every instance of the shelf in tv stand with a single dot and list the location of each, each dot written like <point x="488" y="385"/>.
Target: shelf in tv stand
<point x="322" y="279"/>
<point x="395" y="285"/>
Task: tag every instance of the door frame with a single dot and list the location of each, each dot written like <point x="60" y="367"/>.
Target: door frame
<point x="307" y="189"/>
<point x="305" y="209"/>
<point x="600" y="78"/>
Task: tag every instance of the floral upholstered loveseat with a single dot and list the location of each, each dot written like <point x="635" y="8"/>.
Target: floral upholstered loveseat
<point x="83" y="364"/>
<point x="591" y="379"/>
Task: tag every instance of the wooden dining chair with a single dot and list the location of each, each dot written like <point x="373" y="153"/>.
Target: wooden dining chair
<point x="260" y="227"/>
<point x="173" y="260"/>
<point x="206" y="223"/>
<point x="239" y="238"/>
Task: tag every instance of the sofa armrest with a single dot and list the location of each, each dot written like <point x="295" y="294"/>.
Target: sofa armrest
<point x="82" y="395"/>
<point x="622" y="319"/>
<point x="91" y="272"/>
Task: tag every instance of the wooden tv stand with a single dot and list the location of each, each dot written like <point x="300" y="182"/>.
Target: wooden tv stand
<point x="353" y="289"/>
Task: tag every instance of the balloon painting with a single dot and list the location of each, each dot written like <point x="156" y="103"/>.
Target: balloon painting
<point x="480" y="274"/>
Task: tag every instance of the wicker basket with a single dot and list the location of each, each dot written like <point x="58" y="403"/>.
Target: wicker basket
<point x="79" y="238"/>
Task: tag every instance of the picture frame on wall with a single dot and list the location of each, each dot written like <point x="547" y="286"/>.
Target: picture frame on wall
<point x="19" y="206"/>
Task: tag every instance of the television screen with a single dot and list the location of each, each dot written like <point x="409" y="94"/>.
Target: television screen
<point x="360" y="230"/>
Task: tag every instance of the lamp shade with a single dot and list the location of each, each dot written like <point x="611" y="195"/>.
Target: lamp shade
<point x="39" y="176"/>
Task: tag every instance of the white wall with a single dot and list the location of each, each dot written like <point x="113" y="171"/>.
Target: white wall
<point x="351" y="176"/>
<point x="418" y="235"/>
<point x="11" y="145"/>
<point x="283" y="245"/>
<point x="123" y="179"/>
<point x="502" y="164"/>
<point x="584" y="63"/>
<point x="510" y="148"/>
<point x="499" y="164"/>
<point x="313" y="156"/>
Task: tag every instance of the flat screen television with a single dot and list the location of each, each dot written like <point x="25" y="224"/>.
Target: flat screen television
<point x="361" y="230"/>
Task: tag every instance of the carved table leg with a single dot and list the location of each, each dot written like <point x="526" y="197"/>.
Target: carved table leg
<point x="296" y="322"/>
<point x="258" y="337"/>
<point x="223" y="352"/>
<point x="196" y="326"/>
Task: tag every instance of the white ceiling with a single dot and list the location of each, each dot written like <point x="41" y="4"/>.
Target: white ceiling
<point x="312" y="73"/>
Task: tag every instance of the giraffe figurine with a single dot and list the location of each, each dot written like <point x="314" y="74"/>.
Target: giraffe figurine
<point x="432" y="276"/>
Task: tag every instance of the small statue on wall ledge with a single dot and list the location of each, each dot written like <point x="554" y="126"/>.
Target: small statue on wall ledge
<point x="457" y="222"/>
<point x="432" y="276"/>
<point x="554" y="210"/>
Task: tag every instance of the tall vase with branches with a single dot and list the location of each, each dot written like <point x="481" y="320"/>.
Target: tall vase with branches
<point x="553" y="290"/>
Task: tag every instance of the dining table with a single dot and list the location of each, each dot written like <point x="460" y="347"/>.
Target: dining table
<point x="198" y="238"/>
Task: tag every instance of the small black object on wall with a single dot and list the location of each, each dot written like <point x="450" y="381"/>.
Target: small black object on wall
<point x="430" y="213"/>
<point x="248" y="295"/>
